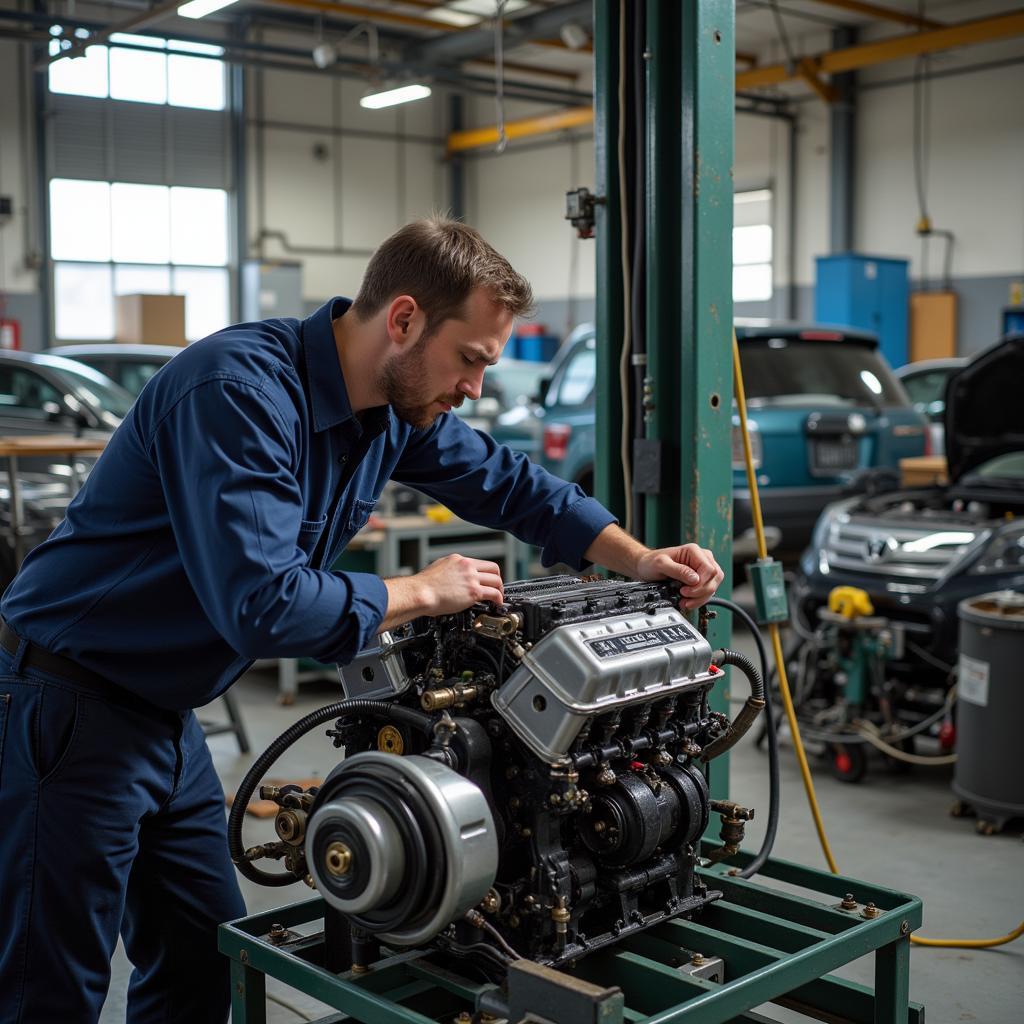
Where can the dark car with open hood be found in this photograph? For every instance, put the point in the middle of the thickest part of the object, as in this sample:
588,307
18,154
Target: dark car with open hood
917,553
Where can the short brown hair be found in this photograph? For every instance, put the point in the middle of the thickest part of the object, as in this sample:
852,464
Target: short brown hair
439,262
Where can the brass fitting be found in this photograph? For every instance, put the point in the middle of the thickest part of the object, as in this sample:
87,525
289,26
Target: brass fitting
290,825
338,859
497,627
448,696
491,903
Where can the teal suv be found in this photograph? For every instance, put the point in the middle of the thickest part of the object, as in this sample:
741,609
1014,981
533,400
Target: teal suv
827,418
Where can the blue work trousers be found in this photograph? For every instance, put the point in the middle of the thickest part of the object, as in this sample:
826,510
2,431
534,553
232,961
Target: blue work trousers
111,820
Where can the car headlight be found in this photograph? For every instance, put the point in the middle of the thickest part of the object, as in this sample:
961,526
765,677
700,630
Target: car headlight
1004,553
756,448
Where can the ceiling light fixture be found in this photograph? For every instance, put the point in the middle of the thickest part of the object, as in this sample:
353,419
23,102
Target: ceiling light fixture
390,96
201,8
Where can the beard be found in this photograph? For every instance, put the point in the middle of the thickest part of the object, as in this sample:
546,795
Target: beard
401,381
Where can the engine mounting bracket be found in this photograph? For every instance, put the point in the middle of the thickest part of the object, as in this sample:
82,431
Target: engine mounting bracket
776,946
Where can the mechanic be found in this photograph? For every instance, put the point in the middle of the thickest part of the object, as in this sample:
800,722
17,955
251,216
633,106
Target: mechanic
203,540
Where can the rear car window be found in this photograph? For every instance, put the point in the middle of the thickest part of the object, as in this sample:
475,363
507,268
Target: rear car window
795,371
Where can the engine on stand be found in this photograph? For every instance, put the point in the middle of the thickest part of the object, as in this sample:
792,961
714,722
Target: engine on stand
522,781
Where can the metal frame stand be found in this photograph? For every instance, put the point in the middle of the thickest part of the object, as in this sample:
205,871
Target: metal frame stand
774,946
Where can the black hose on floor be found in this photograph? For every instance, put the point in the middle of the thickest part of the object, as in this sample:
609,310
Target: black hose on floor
774,785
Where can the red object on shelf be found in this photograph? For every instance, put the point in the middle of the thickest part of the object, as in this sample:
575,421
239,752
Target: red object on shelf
556,441
10,334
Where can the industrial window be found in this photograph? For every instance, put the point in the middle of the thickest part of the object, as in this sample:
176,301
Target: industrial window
752,246
142,70
116,238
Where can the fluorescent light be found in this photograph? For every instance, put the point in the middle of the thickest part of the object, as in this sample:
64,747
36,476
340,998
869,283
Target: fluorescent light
389,97
201,8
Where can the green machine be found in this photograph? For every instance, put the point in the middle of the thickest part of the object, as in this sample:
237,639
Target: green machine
670,930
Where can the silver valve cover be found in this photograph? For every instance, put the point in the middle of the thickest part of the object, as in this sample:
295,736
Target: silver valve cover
579,671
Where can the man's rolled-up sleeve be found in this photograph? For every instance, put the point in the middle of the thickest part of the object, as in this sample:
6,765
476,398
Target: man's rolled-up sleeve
492,485
225,454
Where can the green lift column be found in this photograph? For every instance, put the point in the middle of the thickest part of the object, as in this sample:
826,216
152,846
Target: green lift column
690,110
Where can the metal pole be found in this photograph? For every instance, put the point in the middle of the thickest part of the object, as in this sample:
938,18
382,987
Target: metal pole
690,50
608,485
240,177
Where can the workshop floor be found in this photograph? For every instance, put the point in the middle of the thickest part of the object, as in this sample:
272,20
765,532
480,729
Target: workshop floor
893,829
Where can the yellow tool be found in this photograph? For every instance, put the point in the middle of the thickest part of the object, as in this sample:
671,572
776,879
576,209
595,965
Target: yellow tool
850,602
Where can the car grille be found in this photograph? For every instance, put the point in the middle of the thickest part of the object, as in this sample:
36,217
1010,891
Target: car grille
898,550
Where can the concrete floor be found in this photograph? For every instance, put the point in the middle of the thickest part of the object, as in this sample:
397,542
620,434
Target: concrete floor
893,829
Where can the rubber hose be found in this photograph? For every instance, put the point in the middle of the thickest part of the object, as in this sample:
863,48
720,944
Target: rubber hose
774,782
339,709
748,713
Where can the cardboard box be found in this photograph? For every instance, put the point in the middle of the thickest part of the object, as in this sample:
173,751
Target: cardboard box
924,471
150,319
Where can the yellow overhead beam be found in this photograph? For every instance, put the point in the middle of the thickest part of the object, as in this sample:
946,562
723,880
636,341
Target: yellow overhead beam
851,58
474,138
864,55
382,16
882,13
376,15
806,70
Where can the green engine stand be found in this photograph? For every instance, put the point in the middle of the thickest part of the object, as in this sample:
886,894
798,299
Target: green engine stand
773,946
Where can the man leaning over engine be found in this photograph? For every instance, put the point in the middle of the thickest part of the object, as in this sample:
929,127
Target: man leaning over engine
202,540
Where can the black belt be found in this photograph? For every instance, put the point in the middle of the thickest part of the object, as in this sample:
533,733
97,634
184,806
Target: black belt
43,660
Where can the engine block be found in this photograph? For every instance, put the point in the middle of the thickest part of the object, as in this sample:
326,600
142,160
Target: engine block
518,781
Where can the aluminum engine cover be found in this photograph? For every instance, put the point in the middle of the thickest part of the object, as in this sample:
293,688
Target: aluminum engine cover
586,669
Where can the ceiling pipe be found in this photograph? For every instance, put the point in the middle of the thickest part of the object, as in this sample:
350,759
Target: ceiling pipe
479,42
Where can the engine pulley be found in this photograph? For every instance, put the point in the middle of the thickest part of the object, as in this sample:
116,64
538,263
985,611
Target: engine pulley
400,845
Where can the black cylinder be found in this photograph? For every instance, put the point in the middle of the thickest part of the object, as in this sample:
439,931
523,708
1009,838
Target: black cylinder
990,706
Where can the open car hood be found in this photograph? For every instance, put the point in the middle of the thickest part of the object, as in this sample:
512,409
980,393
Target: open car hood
985,407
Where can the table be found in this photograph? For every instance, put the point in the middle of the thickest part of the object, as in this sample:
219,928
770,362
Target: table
40,445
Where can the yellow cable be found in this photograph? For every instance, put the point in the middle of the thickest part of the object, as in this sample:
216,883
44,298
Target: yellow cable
762,552
787,699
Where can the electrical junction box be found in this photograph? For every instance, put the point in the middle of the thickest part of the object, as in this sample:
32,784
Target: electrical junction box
770,601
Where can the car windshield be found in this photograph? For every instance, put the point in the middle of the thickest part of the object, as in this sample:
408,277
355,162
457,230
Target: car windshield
519,379
793,371
508,383
927,390
1009,467
97,390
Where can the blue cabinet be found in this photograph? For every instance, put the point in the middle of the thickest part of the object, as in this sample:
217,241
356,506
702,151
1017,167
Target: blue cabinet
869,292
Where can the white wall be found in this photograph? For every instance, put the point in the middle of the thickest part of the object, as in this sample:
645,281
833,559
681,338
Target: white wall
975,172
976,178
338,176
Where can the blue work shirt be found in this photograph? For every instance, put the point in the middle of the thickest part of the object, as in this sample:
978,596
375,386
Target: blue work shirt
198,542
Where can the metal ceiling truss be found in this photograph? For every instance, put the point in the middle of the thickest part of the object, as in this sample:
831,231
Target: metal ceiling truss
809,69
254,54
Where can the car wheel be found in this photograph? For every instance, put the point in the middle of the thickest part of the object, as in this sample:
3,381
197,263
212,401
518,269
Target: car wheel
586,481
847,761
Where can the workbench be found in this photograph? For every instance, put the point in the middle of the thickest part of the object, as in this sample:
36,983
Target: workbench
399,546
759,944
40,445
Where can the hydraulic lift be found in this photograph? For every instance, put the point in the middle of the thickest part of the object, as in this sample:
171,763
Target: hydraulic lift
761,942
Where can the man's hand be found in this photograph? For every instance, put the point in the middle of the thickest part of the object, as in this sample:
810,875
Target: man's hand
451,584
695,567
